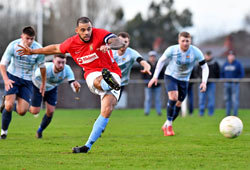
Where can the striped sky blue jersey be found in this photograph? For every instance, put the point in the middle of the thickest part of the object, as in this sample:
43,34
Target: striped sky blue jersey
125,62
52,79
181,63
21,66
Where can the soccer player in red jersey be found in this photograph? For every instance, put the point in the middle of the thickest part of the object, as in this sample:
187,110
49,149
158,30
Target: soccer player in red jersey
91,49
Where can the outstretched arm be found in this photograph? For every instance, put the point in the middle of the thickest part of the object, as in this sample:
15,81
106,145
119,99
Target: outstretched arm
75,85
113,43
154,81
146,67
116,43
205,73
158,69
50,49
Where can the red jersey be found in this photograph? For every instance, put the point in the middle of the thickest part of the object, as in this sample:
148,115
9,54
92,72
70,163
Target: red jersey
86,55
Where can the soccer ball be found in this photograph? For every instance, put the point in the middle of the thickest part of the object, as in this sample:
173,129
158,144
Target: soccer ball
231,127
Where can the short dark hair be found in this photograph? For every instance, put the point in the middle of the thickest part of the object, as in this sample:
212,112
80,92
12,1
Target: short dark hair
124,35
231,52
83,20
208,53
184,34
29,31
60,56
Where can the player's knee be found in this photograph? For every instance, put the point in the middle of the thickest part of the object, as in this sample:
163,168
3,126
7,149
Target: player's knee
174,98
49,114
34,111
97,83
22,113
8,107
107,111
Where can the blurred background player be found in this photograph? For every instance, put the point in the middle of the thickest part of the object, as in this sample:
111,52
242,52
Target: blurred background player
17,71
209,95
232,69
153,93
91,49
183,57
56,72
125,58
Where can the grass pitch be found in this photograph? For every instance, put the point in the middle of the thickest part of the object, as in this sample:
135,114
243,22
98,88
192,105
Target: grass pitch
131,141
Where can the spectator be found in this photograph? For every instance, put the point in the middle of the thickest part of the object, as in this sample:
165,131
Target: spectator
190,95
209,95
155,90
232,69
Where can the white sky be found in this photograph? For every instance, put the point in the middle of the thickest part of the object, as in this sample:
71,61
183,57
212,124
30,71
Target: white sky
210,17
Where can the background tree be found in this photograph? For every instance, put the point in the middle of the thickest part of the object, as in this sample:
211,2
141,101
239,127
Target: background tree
59,19
61,22
161,27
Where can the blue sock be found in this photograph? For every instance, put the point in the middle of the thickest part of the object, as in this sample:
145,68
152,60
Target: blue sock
45,122
100,124
176,112
170,109
104,85
6,119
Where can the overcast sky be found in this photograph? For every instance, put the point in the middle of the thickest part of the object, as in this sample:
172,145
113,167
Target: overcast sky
210,17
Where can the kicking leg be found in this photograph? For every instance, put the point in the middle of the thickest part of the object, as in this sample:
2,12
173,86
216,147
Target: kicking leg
107,105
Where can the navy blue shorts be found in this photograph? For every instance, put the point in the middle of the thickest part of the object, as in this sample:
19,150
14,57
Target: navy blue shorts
172,84
22,88
49,96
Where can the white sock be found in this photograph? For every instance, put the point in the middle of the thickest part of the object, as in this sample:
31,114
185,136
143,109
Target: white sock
4,132
168,123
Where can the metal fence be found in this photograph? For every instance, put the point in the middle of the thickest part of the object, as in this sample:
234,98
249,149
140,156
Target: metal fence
133,96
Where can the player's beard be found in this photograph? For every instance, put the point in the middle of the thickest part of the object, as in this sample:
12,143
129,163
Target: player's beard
123,50
57,70
84,40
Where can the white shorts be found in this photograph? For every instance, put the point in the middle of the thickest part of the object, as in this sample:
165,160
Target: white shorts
90,82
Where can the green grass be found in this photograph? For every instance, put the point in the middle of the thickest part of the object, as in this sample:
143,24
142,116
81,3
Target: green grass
131,141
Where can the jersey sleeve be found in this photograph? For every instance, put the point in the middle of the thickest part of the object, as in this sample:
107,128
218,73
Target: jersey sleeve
136,55
64,46
41,61
107,37
37,74
9,52
161,62
69,73
198,54
103,34
167,53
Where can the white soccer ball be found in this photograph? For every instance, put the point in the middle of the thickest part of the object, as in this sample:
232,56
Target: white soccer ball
231,126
